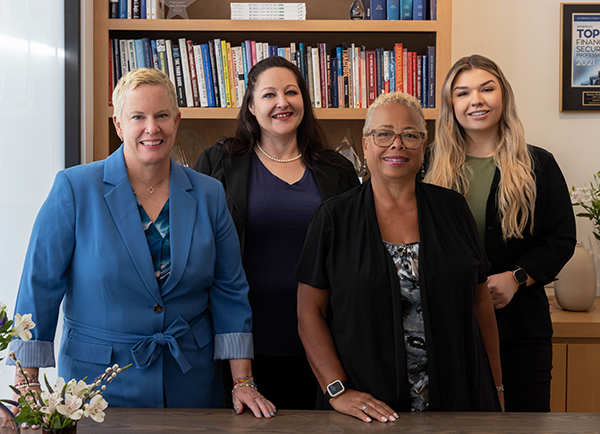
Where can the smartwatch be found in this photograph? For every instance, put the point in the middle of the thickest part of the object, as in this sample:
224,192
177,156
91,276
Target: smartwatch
335,388
520,276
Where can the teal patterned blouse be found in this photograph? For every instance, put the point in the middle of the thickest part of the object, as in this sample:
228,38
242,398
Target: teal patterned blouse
159,241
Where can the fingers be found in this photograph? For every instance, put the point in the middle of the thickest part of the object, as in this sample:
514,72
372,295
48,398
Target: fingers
379,411
363,406
251,398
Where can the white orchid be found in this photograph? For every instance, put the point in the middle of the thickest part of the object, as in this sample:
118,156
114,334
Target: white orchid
80,388
71,408
22,325
95,408
52,400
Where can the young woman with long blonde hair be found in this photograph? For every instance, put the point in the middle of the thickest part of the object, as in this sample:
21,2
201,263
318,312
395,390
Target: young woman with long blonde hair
521,205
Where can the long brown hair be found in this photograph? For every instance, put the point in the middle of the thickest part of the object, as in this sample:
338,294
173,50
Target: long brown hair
517,189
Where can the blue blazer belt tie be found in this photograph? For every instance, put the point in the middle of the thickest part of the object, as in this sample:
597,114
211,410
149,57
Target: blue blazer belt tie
146,349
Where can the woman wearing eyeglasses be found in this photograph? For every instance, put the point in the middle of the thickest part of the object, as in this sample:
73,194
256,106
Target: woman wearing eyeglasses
393,308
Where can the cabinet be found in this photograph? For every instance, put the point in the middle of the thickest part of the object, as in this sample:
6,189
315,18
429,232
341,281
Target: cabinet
326,22
576,356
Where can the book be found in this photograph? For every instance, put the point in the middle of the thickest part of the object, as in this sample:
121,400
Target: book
220,75
161,56
244,63
414,74
433,9
111,75
424,78
124,56
213,73
409,73
154,54
311,78
392,9
340,75
225,66
378,9
371,77
115,60
302,60
199,65
210,95
406,9
367,5
143,14
113,9
404,70
346,76
392,71
185,70
238,65
334,83
316,69
231,73
431,58
380,85
139,54
386,71
123,9
193,76
170,65
419,9
148,63
419,95
253,53
135,12
363,77
323,75
179,86
398,49
131,54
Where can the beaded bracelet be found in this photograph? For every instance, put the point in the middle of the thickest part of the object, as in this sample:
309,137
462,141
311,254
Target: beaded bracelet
244,384
242,381
25,384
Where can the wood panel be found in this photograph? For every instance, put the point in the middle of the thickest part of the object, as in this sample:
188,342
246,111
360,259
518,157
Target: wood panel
558,390
583,373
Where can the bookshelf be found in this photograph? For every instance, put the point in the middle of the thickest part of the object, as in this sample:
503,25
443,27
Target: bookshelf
201,127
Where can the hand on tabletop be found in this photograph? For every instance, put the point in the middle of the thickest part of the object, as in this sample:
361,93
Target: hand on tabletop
251,398
502,288
352,402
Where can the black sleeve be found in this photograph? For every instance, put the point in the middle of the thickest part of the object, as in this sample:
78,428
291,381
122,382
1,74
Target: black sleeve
554,226
204,164
312,266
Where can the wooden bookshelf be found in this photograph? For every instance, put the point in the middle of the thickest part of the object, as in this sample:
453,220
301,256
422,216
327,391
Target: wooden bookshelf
201,127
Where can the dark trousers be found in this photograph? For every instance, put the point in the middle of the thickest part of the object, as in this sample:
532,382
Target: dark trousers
288,382
526,374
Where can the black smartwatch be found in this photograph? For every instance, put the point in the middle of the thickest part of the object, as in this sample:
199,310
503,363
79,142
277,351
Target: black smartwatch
335,388
520,276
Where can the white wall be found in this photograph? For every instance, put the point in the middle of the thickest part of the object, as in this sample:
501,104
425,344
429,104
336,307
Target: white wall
32,125
523,37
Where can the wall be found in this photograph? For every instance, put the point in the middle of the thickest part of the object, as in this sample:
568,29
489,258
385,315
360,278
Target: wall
32,124
523,37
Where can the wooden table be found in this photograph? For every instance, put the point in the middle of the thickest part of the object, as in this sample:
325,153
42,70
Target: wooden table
132,421
576,359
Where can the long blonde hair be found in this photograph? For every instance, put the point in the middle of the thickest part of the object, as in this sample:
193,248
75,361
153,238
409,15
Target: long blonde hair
517,189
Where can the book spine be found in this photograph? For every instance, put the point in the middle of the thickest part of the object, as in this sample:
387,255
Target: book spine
419,9
328,74
179,86
244,62
424,79
253,53
392,71
147,52
363,77
378,9
398,63
199,64
193,76
143,7
231,74
379,54
351,84
160,55
302,56
129,9
154,54
334,86
213,70
113,9
124,57
371,77
367,5
139,54
311,78
116,60
316,76
340,76
406,12
111,67
419,79
392,9
386,72
433,9
323,70
241,75
135,11
123,9
185,69
431,60
132,54
409,71
208,75
220,75
414,74
225,66
404,70
169,56
248,46
346,75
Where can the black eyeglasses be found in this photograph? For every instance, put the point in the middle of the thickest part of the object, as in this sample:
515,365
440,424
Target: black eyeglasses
409,139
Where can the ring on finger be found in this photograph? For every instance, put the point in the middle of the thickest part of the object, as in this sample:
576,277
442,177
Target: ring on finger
364,407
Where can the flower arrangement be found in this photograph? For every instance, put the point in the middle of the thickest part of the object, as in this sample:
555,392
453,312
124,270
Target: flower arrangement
589,199
10,330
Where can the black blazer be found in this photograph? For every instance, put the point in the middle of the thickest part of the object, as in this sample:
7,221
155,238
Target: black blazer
332,179
542,254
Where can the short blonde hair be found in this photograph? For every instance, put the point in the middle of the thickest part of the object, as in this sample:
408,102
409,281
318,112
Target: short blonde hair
397,97
139,76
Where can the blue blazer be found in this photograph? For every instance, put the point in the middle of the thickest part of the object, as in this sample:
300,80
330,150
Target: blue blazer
88,250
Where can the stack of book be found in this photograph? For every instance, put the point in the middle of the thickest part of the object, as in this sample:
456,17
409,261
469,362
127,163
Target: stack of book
137,9
268,11
215,73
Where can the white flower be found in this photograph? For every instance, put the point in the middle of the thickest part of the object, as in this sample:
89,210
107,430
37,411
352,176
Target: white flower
71,408
51,400
80,388
95,407
22,325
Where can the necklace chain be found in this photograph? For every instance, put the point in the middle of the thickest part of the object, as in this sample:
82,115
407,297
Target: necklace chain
151,187
277,160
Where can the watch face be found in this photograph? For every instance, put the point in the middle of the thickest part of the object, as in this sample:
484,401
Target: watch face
335,388
520,275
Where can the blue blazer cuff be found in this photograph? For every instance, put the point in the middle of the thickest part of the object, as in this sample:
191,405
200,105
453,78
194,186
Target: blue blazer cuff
32,354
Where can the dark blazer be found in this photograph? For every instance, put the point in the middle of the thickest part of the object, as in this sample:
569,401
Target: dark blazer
332,179
344,252
542,254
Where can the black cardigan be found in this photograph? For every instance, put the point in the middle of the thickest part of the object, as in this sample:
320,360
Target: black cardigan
344,252
332,179
542,254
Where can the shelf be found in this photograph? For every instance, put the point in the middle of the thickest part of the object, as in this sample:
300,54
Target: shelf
274,26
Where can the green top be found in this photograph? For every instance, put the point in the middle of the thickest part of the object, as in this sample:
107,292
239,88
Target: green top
480,183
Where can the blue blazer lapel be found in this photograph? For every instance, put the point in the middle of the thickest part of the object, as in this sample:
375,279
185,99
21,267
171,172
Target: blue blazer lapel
182,217
126,217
